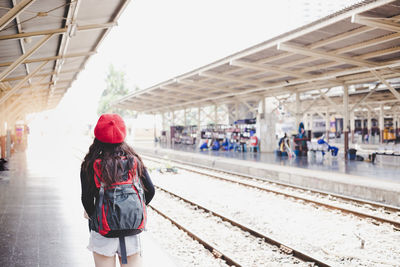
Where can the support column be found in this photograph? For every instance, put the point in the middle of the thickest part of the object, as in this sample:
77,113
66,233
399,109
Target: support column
172,118
298,111
163,121
381,123
266,121
3,131
155,127
216,114
327,125
310,123
306,122
185,119
167,129
8,142
236,111
198,133
346,119
261,127
369,126
172,133
352,126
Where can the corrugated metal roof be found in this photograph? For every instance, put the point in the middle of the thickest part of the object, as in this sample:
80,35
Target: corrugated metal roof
50,40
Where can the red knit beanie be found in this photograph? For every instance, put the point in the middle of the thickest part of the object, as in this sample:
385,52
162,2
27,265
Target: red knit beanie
110,128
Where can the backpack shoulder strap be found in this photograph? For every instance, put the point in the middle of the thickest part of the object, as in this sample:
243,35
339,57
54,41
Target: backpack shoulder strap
97,173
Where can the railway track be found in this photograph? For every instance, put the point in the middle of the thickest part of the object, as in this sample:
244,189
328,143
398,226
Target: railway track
223,255
263,183
217,253
249,181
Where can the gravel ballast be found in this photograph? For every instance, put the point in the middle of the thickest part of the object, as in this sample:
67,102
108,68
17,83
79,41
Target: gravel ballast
183,249
238,244
328,235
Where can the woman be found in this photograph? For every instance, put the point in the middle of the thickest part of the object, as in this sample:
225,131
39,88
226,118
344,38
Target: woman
110,161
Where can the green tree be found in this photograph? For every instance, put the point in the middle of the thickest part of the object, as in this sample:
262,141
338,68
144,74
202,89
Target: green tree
116,88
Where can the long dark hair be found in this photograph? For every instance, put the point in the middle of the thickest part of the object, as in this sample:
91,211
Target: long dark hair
111,160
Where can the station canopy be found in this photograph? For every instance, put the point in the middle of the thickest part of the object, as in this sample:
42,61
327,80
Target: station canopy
357,47
44,44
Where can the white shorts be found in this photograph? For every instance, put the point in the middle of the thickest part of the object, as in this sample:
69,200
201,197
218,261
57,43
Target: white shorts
110,246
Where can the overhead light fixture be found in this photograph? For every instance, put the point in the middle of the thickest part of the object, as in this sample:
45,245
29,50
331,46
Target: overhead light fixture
27,40
72,30
42,14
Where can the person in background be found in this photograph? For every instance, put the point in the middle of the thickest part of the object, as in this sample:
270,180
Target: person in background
204,145
253,141
216,146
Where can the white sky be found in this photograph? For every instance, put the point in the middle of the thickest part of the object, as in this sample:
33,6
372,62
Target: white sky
157,40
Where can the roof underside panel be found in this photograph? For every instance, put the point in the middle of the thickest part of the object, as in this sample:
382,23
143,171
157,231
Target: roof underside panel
51,41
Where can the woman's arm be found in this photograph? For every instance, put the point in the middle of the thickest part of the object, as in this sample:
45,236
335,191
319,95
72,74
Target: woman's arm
88,193
149,187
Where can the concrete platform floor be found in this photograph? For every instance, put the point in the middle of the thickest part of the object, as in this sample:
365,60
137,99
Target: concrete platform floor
333,165
41,216
356,179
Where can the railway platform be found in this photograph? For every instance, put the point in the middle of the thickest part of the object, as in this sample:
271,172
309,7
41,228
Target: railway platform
363,180
41,215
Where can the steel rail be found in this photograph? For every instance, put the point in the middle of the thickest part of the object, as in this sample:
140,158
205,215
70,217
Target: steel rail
284,248
297,187
216,252
344,210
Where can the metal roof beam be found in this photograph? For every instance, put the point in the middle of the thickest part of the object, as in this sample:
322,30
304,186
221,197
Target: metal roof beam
344,50
57,31
231,79
205,85
280,85
365,44
364,98
330,40
330,64
160,99
326,55
21,83
21,42
323,42
180,90
264,67
22,58
328,99
17,100
32,98
84,54
390,87
17,78
13,12
47,83
376,22
70,22
278,70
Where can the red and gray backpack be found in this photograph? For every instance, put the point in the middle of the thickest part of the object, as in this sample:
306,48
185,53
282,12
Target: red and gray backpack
121,207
